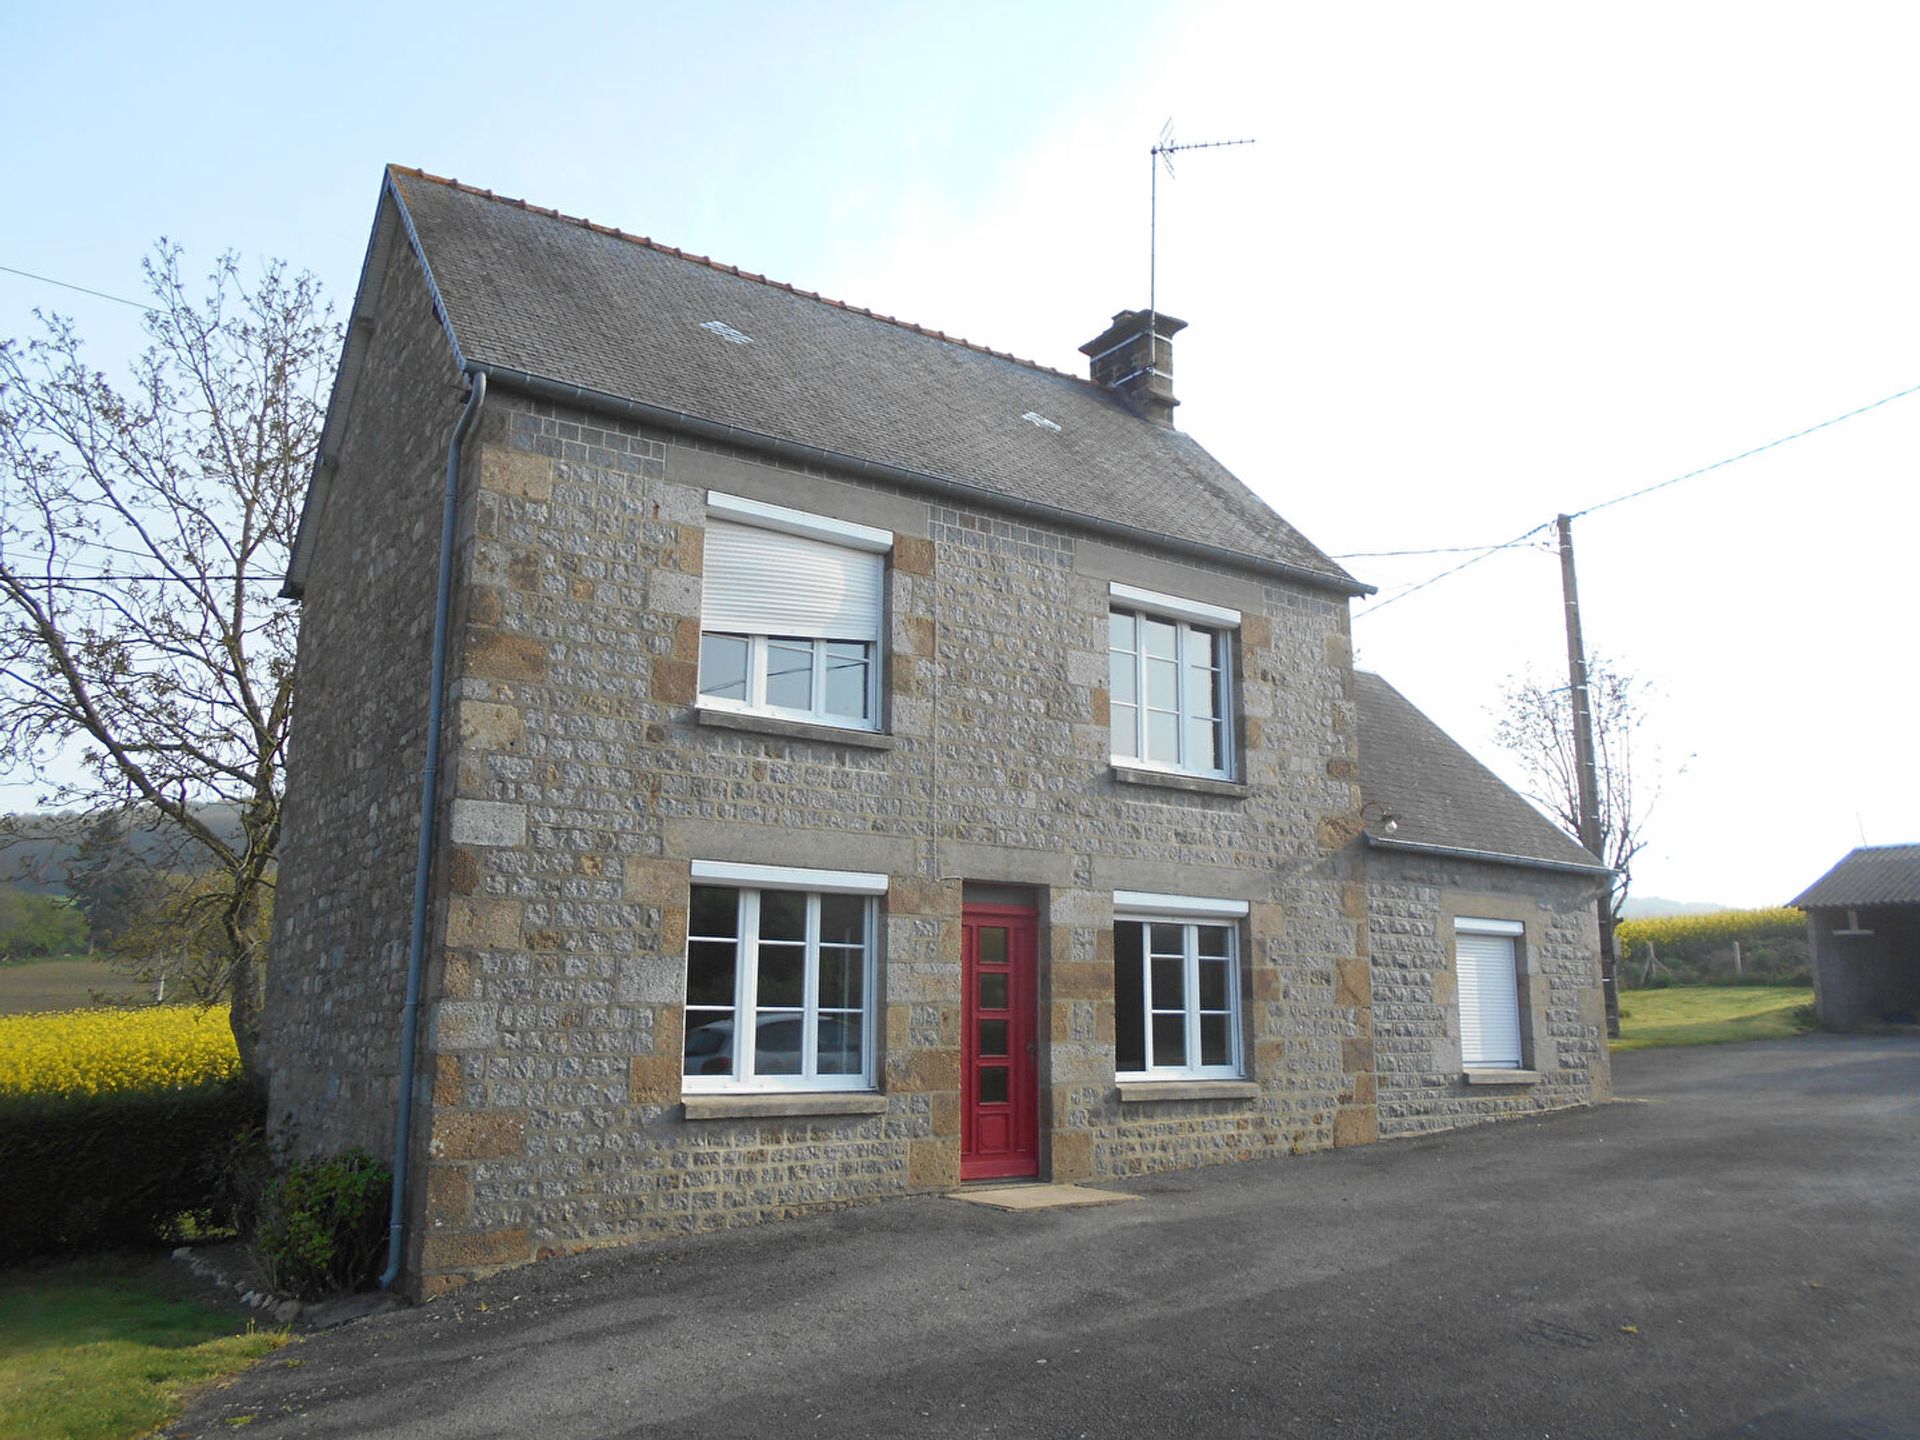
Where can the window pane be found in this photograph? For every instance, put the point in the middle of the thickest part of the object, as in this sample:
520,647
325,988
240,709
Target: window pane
710,972
993,1037
1216,1048
723,666
783,974
1169,1040
1120,632
715,912
709,1048
783,915
1163,738
1123,678
1126,743
1169,984
993,992
790,674
1129,1000
842,977
1166,940
840,1045
843,919
1163,685
846,684
1202,690
993,945
1211,940
1158,636
1213,985
993,1085
1206,749
776,1046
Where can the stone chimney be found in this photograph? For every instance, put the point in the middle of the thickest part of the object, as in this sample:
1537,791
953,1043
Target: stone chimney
1137,365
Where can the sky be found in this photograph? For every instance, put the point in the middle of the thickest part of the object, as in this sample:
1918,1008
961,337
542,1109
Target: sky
1484,263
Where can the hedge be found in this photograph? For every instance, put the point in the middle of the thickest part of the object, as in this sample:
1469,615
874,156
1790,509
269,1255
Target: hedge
85,1172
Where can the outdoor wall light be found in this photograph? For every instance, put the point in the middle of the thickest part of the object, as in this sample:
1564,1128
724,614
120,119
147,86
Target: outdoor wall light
1389,821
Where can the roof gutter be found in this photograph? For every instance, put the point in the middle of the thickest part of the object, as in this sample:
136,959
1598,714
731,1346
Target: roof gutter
922,480
423,856
1492,857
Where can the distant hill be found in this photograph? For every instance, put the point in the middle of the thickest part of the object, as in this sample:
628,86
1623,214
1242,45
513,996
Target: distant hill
1651,907
36,848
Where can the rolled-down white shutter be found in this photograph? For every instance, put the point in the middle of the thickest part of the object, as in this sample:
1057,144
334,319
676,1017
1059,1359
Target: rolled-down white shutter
763,582
1489,1001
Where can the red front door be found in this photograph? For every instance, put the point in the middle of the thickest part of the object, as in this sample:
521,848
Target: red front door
999,1098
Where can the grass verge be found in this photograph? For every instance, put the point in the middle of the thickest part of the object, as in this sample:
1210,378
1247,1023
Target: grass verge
1712,1015
103,1349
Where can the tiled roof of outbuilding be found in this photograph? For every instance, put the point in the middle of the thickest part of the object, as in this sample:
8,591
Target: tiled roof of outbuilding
1870,875
569,301
1439,795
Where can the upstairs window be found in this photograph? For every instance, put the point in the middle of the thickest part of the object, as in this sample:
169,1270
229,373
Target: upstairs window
1171,683
791,614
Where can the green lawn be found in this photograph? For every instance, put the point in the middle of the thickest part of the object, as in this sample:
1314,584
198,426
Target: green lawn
1712,1015
104,1350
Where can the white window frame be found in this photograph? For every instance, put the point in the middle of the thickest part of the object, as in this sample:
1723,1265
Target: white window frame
1189,913
1514,932
756,701
1194,621
750,882
759,514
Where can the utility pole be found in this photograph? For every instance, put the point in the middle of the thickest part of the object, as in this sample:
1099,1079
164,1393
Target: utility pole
1588,775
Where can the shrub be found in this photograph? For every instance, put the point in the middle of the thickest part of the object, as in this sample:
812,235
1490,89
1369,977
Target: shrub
322,1225
97,1052
83,1171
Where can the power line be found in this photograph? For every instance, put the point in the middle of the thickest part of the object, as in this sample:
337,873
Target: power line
1482,553
1517,540
84,290
1748,454
1389,554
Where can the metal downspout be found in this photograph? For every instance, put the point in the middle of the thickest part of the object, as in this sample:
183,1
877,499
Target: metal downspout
423,860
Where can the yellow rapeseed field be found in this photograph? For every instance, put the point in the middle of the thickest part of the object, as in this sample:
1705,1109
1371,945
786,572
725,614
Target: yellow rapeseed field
1715,927
94,1052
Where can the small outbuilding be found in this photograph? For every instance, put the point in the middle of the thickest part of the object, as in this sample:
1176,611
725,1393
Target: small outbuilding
1863,930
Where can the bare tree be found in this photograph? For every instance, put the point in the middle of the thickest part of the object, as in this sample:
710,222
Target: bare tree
1536,727
145,659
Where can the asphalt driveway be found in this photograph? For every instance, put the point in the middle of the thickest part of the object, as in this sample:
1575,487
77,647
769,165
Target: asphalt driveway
1736,1251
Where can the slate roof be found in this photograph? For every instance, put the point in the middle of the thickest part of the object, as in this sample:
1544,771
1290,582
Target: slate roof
1439,794
565,300
1870,875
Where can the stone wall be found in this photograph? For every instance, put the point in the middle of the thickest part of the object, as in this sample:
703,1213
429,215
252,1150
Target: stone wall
1412,902
336,982
587,778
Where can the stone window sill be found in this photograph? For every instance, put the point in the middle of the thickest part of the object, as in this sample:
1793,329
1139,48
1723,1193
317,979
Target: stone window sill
790,729
1501,1077
756,1107
1173,780
1146,1092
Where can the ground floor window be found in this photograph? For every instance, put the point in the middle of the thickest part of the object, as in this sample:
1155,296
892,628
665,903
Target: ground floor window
1487,975
780,979
1176,987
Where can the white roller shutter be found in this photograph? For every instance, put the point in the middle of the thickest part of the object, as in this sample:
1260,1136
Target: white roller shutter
763,582
1489,1001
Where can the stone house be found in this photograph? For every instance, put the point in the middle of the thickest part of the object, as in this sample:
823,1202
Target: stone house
1863,936
856,762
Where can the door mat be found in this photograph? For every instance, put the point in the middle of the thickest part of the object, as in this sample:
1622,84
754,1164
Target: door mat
1038,1197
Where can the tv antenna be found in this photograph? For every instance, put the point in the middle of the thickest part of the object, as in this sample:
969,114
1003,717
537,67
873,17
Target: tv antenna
1162,153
